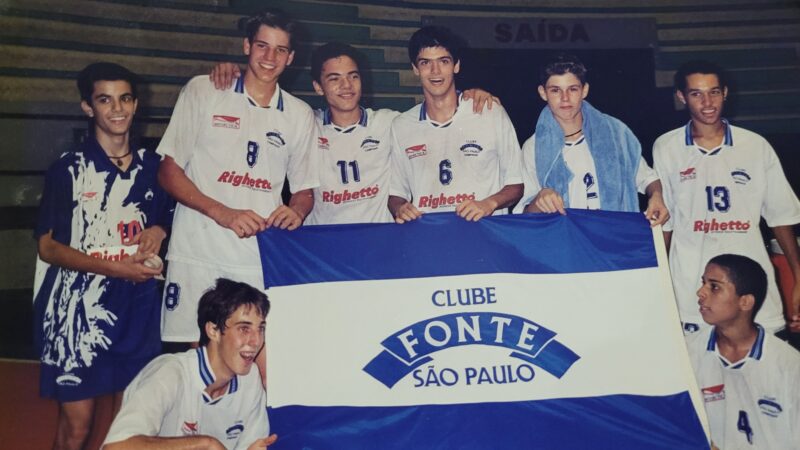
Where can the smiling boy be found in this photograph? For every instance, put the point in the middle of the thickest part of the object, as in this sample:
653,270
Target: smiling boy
719,181
227,154
445,156
748,377
96,302
581,158
209,397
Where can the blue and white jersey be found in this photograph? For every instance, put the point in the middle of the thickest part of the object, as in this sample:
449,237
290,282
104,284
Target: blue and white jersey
168,399
239,154
753,403
97,332
716,198
436,166
354,170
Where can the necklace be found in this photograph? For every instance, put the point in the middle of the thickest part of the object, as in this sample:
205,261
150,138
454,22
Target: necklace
118,159
573,134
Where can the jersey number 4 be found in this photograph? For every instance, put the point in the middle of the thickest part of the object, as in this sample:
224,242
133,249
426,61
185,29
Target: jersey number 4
718,198
353,165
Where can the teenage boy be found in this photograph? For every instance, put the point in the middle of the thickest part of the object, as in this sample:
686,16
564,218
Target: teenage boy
226,156
354,141
446,157
208,397
719,180
748,377
581,158
97,305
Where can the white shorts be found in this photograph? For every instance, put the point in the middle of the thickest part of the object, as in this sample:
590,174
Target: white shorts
184,286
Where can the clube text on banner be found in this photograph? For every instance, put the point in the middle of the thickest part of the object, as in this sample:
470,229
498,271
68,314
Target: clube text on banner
514,332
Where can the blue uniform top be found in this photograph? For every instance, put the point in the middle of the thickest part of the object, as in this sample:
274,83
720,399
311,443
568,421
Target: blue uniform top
96,332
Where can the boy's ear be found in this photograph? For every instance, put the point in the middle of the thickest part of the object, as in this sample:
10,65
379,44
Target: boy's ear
87,109
212,332
747,302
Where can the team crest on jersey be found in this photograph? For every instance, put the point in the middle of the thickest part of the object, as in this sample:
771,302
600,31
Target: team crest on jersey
770,407
190,428
234,431
369,144
416,150
252,153
323,143
219,121
688,174
149,194
714,393
740,176
275,138
471,148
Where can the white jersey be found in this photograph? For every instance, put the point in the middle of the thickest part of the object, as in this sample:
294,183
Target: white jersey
239,154
584,191
354,170
168,399
753,403
470,157
716,199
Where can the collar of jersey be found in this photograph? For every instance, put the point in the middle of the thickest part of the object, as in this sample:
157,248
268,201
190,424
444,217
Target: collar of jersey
95,152
755,352
573,144
207,376
275,102
689,141
327,119
423,115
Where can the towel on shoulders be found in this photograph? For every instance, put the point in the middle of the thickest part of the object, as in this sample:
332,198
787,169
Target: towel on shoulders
614,148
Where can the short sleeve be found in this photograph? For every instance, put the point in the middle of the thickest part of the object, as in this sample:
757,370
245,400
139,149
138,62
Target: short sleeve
780,206
644,176
529,178
147,400
510,158
56,206
662,171
303,168
400,184
178,141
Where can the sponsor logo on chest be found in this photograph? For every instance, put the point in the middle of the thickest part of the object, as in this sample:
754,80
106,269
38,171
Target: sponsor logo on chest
347,196
714,393
688,174
220,121
190,428
245,181
416,151
323,143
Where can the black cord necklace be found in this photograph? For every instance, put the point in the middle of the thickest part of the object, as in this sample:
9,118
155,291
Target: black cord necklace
118,159
573,134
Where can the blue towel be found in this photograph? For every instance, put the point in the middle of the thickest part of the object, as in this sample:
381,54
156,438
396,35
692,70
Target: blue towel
614,148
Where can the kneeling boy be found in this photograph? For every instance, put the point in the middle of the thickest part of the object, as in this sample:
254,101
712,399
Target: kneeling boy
748,377
207,397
